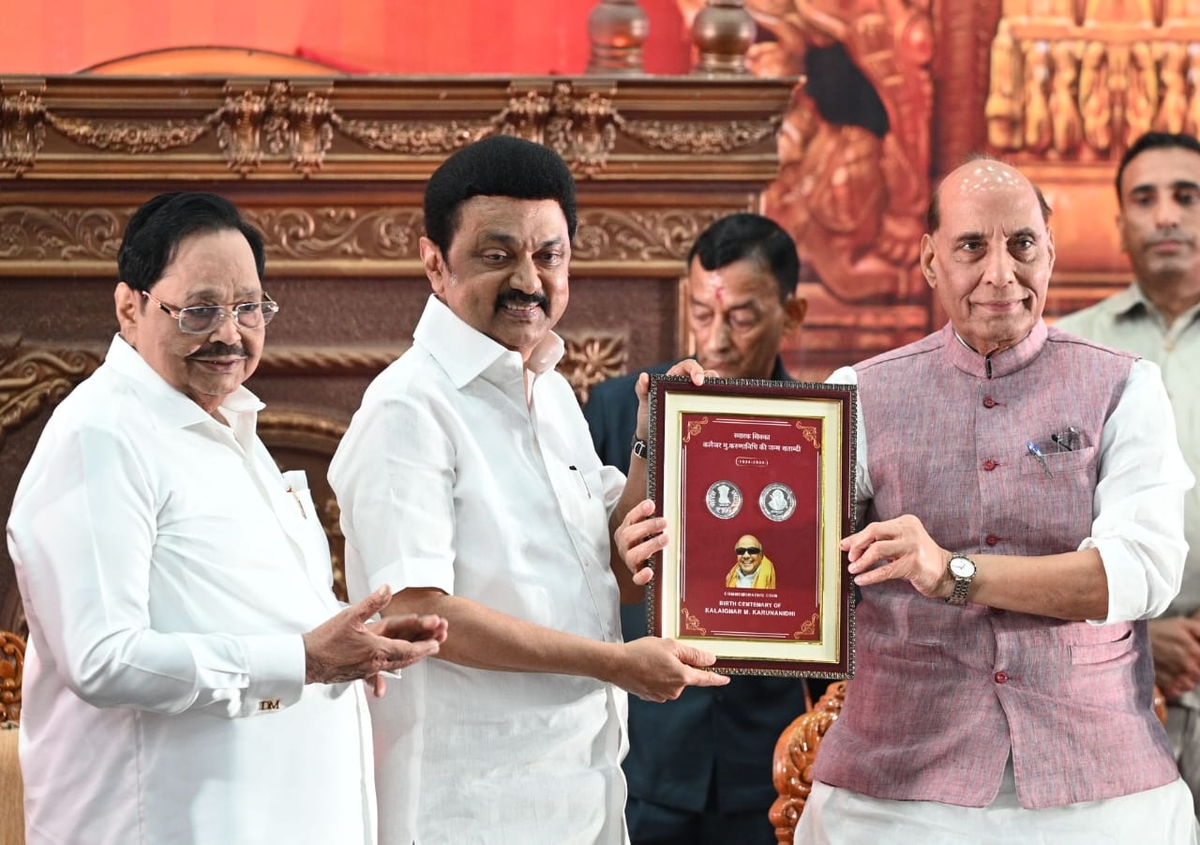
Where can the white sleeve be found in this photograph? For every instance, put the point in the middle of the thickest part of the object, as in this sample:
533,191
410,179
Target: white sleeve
863,489
81,535
1138,504
393,476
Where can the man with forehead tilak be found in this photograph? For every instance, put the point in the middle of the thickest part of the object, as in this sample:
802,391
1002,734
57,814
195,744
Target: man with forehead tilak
699,767
1021,495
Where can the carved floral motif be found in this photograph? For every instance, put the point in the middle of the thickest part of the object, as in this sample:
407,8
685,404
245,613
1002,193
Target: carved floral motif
22,132
579,121
29,233
32,378
239,135
640,235
696,138
339,232
34,233
278,122
581,129
413,137
590,359
794,757
12,671
129,136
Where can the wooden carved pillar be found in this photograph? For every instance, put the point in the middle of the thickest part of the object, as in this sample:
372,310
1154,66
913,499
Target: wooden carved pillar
617,30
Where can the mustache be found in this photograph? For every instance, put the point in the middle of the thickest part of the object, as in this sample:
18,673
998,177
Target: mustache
516,297
1172,235
220,350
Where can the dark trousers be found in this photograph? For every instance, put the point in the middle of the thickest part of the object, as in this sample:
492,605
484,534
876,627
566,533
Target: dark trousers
653,824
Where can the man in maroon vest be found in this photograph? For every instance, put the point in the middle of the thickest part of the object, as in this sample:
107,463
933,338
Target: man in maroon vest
1021,494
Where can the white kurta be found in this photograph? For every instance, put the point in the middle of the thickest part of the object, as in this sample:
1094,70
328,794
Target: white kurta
449,477
168,570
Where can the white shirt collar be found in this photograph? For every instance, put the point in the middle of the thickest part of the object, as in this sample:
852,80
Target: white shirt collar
170,404
466,353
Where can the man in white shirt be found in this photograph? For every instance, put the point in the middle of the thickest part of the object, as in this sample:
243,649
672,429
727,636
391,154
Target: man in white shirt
468,480
1158,317
190,676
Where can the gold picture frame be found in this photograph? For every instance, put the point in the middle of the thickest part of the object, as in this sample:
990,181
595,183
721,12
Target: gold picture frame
756,482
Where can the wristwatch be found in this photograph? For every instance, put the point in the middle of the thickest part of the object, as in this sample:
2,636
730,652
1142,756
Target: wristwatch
962,569
639,447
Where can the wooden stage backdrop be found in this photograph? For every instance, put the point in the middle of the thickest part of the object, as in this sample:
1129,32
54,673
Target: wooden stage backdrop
331,168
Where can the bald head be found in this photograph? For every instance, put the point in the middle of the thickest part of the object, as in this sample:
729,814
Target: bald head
989,253
988,171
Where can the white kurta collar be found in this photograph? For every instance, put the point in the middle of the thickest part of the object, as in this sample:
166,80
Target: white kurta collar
174,406
466,353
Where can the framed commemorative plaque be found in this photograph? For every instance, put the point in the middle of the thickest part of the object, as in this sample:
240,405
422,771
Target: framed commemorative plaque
756,482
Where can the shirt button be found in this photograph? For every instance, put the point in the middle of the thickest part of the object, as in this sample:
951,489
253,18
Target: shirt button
991,539
989,465
1001,677
989,402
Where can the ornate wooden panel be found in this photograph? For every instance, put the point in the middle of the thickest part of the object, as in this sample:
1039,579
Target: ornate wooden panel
332,171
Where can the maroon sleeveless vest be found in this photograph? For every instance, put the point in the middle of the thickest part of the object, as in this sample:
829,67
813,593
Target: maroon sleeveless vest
943,694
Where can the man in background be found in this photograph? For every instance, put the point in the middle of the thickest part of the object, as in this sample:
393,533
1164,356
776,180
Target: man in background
1158,317
699,767
190,678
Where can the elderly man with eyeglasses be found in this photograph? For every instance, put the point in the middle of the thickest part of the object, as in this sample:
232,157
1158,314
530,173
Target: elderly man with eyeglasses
190,676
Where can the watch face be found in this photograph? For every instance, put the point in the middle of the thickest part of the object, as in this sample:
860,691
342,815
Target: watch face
962,567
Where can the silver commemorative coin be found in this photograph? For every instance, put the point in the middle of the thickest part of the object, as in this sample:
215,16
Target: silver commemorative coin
777,502
724,499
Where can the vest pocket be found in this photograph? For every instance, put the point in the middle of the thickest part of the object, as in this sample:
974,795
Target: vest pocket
1059,463
1102,652
894,648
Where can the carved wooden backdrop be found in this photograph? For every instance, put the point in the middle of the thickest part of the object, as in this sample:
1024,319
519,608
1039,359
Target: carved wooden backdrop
332,172
331,169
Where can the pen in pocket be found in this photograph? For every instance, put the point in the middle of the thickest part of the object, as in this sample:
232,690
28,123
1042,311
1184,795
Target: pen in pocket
1034,450
582,480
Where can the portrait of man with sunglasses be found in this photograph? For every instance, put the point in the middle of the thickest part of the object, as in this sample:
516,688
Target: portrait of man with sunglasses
178,586
753,570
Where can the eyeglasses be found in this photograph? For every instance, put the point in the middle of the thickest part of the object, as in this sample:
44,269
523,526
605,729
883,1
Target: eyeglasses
204,319
748,550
